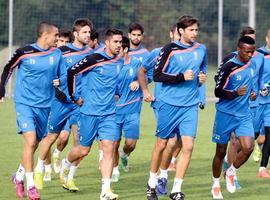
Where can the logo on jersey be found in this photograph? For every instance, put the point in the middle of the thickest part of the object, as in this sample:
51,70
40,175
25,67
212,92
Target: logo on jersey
32,61
252,72
69,60
238,77
131,72
51,61
118,69
24,125
195,55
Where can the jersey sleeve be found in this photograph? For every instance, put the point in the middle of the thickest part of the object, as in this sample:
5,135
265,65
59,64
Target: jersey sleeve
160,74
222,80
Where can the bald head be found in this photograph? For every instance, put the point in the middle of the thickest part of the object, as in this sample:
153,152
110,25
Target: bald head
45,27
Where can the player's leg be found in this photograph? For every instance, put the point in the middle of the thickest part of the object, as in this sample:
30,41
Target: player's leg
116,172
48,167
174,157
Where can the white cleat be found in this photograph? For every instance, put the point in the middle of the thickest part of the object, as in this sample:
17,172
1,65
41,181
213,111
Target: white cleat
216,193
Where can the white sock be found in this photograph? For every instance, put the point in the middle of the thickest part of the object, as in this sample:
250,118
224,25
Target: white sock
152,181
106,185
65,165
29,179
226,158
100,152
48,168
72,172
262,168
231,170
216,182
173,160
177,185
122,153
56,152
163,173
116,170
40,166
20,173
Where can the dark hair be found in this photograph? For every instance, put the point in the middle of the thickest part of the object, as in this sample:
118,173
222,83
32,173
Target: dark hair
66,34
45,27
247,30
94,35
174,26
186,21
125,43
111,32
135,26
81,22
245,40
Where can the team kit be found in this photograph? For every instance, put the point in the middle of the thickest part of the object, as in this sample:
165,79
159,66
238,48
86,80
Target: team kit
68,83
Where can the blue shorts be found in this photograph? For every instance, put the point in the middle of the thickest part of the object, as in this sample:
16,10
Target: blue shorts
225,124
32,119
72,120
154,105
130,124
256,113
176,120
62,114
102,127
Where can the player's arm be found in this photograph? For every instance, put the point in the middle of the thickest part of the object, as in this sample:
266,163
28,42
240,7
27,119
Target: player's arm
203,70
221,83
160,74
8,69
142,78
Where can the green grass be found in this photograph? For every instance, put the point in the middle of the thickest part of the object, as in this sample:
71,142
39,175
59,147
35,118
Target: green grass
132,185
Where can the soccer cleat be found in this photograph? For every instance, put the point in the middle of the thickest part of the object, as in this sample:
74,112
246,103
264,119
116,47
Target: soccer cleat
109,195
124,164
38,179
257,153
33,194
237,184
177,196
70,185
56,163
115,177
151,193
171,167
229,177
263,174
162,186
47,176
19,187
216,193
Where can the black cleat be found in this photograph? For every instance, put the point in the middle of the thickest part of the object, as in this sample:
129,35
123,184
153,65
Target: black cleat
151,193
177,196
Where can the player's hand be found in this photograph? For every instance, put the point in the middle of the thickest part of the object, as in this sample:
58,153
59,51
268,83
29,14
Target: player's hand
134,86
253,96
2,100
242,91
202,77
147,96
189,75
56,82
264,92
2,94
79,102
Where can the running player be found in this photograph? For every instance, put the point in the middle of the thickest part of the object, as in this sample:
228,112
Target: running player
64,113
99,79
181,68
38,65
233,86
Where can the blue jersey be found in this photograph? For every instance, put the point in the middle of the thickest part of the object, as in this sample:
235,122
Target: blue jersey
99,79
174,60
266,73
37,68
233,75
129,101
258,62
140,53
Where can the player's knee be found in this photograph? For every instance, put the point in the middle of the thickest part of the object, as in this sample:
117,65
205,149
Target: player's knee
161,144
131,145
248,148
84,152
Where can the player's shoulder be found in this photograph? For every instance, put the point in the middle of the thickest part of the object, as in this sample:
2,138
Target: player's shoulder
66,49
200,46
27,49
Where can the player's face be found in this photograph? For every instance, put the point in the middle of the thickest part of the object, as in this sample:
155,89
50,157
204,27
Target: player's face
189,34
245,52
92,43
135,37
83,35
51,37
114,44
62,41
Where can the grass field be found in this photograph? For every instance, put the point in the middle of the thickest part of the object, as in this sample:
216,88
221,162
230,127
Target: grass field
132,185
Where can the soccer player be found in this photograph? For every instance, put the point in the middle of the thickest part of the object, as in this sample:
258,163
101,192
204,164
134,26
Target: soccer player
64,38
97,114
264,106
64,113
181,68
128,109
135,34
38,65
94,42
233,88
